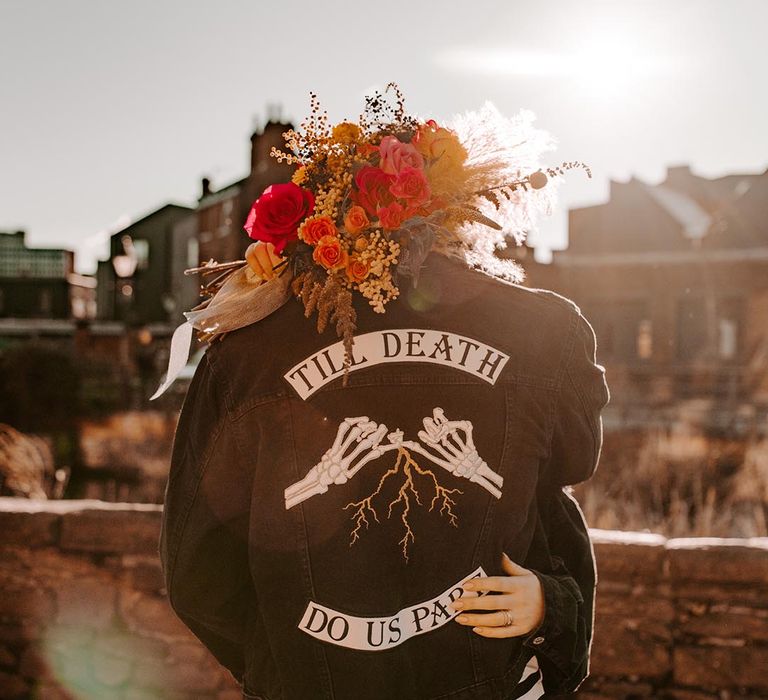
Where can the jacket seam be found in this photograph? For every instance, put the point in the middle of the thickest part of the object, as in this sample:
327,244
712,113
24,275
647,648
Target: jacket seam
503,678
592,424
228,403
485,529
543,383
565,358
306,559
173,549
256,601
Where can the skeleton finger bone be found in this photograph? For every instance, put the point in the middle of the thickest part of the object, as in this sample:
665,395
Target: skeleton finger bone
424,437
344,426
372,444
486,484
334,466
353,435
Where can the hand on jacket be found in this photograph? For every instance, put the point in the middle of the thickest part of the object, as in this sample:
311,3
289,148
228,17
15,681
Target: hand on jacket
262,259
520,593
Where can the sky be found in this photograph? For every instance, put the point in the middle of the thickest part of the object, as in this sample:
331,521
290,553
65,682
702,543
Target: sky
109,109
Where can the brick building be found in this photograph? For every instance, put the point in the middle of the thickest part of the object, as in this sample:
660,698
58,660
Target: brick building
142,281
674,278
221,214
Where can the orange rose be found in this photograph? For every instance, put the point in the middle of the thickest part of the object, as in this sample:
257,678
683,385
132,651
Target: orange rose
357,269
356,220
330,254
315,228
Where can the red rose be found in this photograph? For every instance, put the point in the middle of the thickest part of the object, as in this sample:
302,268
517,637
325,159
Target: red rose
392,216
412,187
276,215
373,189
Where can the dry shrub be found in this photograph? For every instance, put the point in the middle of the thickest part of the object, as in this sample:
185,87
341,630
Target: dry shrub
680,484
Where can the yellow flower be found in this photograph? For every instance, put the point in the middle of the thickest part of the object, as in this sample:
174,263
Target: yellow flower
446,176
336,161
300,176
346,132
445,157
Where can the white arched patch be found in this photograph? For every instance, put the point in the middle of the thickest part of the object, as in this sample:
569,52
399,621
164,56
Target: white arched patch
398,345
386,631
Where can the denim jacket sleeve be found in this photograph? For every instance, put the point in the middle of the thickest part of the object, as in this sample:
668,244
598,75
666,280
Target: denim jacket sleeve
563,641
204,531
577,435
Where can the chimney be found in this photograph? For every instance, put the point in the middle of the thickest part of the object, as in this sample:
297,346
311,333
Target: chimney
678,174
255,138
263,141
205,187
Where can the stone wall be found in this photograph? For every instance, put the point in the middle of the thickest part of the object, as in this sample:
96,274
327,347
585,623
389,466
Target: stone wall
82,609
83,613
684,619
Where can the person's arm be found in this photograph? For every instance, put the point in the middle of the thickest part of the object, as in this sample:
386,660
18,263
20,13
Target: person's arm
203,543
562,642
577,435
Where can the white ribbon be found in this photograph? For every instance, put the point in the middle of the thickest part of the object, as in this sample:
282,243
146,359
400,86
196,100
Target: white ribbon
180,342
242,300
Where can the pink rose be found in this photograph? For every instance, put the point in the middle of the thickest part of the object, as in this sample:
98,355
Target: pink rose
411,186
396,155
391,216
276,215
372,189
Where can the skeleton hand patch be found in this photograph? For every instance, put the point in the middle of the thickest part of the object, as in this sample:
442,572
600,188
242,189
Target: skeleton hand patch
359,441
449,445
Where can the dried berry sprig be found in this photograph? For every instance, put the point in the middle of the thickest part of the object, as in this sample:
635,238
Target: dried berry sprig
534,181
381,116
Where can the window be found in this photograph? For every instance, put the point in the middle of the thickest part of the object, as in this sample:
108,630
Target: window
623,329
193,253
691,328
45,302
709,328
729,323
644,339
727,343
141,251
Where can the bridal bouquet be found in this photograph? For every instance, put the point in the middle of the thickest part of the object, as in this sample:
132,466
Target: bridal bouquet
369,200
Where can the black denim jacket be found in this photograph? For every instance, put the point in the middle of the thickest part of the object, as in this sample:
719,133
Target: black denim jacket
313,534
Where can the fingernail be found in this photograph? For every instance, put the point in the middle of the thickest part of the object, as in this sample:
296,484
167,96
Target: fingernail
469,586
476,629
457,604
462,618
